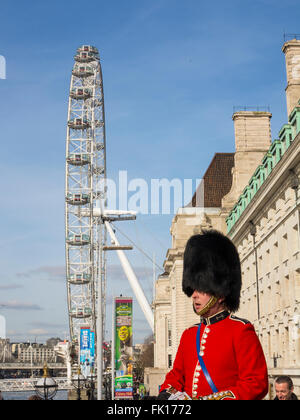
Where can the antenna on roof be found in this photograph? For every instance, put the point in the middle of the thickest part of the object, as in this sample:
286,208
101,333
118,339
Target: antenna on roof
288,37
256,108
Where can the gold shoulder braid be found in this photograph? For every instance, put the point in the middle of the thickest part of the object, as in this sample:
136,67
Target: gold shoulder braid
218,396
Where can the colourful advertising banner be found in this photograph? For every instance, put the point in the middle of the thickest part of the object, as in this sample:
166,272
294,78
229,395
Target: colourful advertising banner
123,348
85,351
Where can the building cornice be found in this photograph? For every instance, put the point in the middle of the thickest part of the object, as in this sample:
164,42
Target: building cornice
172,256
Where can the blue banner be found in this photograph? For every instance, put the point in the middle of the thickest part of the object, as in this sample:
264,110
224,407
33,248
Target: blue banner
92,351
85,352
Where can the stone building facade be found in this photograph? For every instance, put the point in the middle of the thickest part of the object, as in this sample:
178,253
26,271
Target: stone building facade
36,353
252,196
267,237
264,225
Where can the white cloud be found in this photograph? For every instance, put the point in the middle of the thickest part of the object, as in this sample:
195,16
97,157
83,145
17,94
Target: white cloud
20,306
52,272
11,286
38,332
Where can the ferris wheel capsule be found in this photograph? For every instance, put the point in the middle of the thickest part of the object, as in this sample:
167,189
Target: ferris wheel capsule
78,159
79,123
83,70
78,199
79,278
81,312
85,56
88,48
80,239
81,93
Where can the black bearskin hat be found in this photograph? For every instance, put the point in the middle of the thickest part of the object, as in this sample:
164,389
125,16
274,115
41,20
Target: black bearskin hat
212,265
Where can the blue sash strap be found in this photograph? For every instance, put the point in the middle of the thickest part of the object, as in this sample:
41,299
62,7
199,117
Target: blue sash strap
202,364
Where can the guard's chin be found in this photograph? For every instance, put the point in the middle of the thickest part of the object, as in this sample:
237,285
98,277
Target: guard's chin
197,313
206,308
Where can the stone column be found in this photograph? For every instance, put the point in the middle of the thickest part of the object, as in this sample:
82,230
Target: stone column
252,141
291,49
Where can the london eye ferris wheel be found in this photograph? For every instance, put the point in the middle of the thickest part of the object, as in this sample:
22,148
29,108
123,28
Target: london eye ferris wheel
87,219
85,190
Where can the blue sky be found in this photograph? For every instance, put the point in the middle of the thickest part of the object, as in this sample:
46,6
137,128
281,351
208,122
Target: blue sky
172,73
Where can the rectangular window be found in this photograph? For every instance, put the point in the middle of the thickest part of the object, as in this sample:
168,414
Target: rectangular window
169,334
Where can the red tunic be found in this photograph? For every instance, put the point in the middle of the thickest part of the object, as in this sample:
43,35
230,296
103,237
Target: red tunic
233,357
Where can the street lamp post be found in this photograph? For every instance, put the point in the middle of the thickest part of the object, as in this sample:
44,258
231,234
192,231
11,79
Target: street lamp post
46,387
90,385
78,381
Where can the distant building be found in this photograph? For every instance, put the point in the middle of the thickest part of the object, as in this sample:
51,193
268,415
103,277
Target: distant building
36,353
5,351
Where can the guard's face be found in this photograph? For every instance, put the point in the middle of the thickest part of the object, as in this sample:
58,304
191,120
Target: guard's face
200,300
283,392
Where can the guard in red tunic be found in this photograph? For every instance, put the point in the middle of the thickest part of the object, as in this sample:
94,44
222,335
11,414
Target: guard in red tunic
221,358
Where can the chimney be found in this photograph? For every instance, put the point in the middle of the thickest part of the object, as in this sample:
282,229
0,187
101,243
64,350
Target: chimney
291,49
252,141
